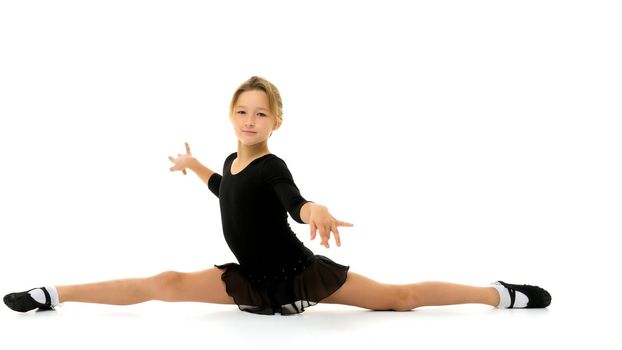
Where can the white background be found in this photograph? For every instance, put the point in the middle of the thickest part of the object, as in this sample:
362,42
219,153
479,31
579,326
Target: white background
468,141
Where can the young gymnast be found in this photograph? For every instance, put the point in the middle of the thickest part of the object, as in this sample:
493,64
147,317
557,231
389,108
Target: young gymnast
275,271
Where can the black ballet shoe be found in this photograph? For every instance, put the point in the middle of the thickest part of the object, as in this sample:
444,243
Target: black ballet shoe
538,297
24,302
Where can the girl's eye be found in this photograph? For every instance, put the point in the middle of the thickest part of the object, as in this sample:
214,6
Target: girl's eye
262,114
241,112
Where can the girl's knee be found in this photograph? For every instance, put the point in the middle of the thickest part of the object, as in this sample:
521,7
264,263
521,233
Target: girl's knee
406,298
165,284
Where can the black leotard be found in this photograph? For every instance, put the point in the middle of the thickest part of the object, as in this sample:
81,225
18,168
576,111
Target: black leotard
253,207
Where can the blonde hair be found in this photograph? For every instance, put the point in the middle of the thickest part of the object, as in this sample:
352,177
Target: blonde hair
258,83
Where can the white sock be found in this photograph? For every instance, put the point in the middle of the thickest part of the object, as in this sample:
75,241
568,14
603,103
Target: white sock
39,296
520,299
53,295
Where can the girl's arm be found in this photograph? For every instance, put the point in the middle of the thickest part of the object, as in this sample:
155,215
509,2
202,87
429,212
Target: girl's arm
304,211
203,172
276,174
319,219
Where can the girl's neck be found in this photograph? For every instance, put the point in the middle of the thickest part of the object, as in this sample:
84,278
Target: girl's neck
248,153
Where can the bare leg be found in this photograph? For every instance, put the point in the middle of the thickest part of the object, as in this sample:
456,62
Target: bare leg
443,293
200,286
117,292
364,292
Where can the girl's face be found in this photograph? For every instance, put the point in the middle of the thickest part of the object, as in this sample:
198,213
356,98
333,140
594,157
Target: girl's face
252,121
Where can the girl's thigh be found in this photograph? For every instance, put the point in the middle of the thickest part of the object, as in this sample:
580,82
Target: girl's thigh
200,286
361,291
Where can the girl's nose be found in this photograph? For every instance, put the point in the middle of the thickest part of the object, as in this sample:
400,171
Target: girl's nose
250,121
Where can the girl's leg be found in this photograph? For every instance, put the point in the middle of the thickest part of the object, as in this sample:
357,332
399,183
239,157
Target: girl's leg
201,286
363,292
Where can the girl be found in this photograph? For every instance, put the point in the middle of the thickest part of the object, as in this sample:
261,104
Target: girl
276,272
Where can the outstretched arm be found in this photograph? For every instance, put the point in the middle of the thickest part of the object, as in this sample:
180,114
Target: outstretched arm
319,219
203,172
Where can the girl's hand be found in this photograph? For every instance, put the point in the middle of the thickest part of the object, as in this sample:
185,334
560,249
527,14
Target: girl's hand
182,161
320,219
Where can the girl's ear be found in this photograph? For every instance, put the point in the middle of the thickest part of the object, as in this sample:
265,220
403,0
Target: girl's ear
277,125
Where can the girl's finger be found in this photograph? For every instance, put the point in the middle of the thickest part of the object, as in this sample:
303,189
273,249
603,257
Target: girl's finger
323,238
187,148
343,223
325,242
337,237
313,231
183,171
325,234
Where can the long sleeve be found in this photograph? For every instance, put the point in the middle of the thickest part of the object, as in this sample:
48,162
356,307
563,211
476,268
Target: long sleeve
278,176
214,183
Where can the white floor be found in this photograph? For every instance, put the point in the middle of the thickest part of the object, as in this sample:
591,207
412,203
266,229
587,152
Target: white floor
497,123
194,325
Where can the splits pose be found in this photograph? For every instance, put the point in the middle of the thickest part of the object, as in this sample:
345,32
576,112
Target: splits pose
275,272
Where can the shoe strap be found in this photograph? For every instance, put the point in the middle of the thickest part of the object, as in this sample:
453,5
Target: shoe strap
48,299
512,297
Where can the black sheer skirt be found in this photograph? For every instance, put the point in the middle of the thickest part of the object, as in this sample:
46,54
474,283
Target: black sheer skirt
288,290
